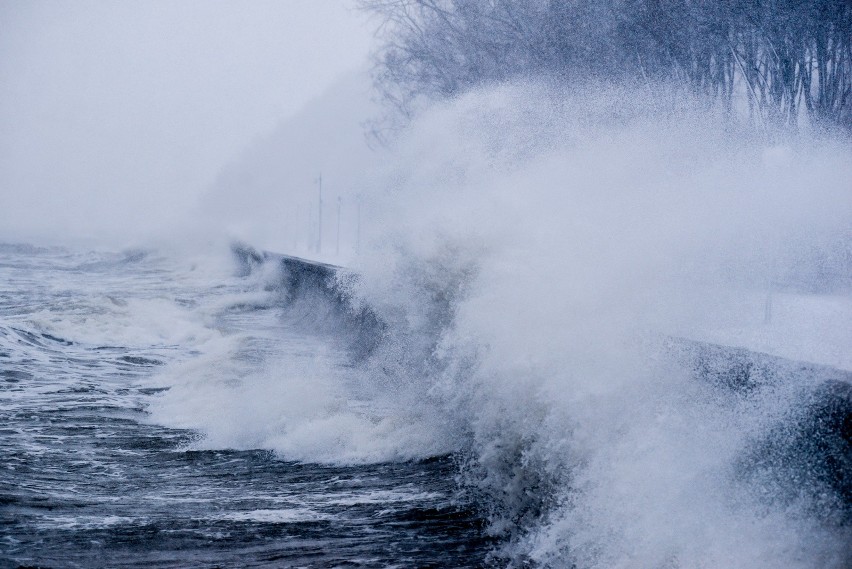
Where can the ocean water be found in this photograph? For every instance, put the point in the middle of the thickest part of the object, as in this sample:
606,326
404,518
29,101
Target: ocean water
592,330
166,411
90,480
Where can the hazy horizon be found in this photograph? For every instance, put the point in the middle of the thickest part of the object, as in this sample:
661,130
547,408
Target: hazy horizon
115,117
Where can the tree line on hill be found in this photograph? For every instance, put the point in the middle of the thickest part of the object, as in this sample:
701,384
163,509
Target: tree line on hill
786,58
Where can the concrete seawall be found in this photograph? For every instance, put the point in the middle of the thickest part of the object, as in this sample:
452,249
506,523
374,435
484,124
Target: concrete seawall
809,450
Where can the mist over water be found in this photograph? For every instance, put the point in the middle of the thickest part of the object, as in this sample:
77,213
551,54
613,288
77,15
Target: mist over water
565,233
566,323
530,254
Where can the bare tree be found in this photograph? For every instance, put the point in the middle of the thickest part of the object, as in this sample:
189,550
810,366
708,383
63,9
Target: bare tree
786,56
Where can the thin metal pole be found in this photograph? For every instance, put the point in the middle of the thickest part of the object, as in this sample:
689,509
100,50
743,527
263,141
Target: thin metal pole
358,233
337,247
319,225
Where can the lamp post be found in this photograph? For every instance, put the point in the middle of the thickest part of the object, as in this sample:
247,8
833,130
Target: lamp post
319,221
337,245
358,230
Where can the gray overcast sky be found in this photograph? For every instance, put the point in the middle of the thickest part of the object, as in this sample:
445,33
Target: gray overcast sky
117,114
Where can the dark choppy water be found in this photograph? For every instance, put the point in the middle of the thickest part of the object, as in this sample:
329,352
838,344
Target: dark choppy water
162,411
89,480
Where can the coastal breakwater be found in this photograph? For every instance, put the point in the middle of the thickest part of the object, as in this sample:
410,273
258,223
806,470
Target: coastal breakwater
804,450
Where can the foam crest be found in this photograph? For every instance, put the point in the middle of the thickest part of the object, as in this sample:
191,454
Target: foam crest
529,256
303,404
528,250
